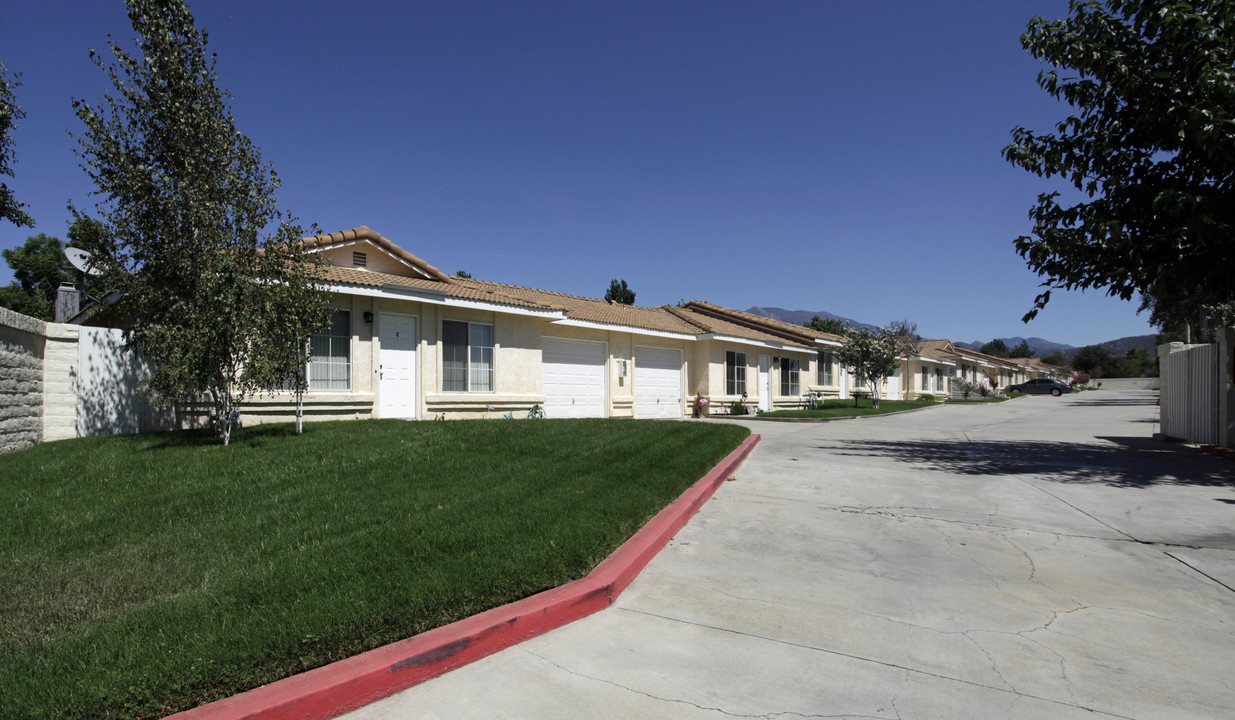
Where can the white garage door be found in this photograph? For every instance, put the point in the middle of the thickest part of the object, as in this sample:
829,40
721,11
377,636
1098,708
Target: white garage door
894,386
658,383
574,378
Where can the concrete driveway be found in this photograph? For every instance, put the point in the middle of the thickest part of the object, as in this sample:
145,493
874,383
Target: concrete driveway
1040,558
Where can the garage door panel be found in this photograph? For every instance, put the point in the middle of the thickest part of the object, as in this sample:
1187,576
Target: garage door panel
658,383
574,378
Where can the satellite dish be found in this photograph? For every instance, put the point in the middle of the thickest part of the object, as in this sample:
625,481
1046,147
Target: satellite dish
82,260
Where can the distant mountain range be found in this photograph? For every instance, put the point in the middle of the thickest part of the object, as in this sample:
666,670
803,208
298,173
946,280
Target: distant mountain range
1041,347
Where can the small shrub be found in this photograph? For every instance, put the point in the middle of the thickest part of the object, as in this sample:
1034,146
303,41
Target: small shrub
737,408
984,391
927,398
964,387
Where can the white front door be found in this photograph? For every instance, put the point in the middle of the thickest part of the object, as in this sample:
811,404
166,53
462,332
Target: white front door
658,383
765,382
396,370
573,375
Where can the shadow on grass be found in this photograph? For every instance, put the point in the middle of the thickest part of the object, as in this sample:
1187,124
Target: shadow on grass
1129,462
255,436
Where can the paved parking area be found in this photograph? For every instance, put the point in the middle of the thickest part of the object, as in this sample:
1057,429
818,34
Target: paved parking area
1040,558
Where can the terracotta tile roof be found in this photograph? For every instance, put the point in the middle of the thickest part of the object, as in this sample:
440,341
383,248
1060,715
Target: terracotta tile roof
368,278
713,324
939,350
590,309
778,328
363,233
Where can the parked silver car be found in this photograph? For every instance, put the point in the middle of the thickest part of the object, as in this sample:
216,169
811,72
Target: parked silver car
1041,386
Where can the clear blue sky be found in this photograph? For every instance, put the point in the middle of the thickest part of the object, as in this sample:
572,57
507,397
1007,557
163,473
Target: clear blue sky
815,155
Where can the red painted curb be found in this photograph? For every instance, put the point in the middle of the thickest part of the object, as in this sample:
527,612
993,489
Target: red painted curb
341,687
1220,451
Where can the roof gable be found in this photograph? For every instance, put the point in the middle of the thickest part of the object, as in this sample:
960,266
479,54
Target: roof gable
339,248
778,328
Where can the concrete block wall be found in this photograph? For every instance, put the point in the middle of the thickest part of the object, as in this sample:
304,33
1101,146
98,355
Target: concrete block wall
60,376
21,380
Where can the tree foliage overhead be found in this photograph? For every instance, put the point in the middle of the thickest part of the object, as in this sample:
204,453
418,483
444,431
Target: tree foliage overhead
870,357
619,293
830,325
187,204
10,112
1151,146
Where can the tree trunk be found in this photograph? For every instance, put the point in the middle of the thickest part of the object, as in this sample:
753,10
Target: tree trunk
875,393
301,386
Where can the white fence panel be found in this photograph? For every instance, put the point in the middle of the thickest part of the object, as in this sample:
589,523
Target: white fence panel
109,395
1190,397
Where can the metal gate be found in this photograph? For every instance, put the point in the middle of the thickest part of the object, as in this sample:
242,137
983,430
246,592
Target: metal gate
1190,394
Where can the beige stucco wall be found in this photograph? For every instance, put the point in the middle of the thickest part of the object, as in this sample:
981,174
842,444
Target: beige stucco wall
708,373
357,403
377,260
516,365
913,387
832,389
621,389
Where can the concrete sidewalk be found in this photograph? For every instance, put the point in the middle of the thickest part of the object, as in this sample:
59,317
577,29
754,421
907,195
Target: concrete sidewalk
1040,558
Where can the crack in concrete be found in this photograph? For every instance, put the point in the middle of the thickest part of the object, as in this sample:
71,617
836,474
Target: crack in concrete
706,708
991,660
1197,570
890,511
909,670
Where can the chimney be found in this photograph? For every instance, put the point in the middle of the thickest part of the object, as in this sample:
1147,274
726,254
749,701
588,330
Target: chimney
66,302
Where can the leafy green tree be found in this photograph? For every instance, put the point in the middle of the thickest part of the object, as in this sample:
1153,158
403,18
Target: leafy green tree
187,202
39,267
996,348
10,113
1057,358
1135,363
464,274
1150,148
1193,320
831,325
869,357
619,293
904,328
1095,360
1021,351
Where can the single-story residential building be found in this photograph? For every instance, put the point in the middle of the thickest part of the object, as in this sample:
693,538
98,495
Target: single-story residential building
406,340
409,341
929,366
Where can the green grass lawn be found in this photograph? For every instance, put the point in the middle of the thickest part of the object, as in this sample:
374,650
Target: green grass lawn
979,399
146,574
847,408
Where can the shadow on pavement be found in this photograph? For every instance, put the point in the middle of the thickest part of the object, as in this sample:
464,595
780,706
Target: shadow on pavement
1131,462
1122,401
